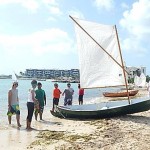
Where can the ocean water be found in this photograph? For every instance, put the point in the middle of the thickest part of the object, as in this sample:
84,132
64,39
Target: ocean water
24,85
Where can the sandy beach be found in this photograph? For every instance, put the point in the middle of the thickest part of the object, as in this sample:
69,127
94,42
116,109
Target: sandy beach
120,133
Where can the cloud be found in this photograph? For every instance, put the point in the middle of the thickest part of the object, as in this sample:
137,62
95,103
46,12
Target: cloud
55,10
76,14
51,2
2,2
132,45
39,43
124,5
104,4
34,5
31,5
137,22
51,18
53,7
47,48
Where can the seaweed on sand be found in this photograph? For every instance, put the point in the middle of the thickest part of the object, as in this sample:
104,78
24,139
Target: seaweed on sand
50,137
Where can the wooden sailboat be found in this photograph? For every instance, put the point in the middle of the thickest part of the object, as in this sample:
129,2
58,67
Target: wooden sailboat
101,65
121,94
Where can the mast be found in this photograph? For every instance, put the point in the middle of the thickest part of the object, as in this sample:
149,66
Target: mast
96,42
122,64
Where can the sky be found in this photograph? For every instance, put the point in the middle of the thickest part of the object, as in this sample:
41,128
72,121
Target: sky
39,34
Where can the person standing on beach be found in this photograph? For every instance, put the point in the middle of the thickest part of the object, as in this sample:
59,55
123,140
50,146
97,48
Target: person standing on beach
148,88
68,95
30,103
13,103
56,96
81,93
41,97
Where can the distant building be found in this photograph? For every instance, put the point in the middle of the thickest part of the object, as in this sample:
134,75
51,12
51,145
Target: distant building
73,73
5,76
133,71
51,73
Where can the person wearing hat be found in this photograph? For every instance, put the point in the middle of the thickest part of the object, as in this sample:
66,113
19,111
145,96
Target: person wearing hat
68,95
56,96
13,103
41,97
30,103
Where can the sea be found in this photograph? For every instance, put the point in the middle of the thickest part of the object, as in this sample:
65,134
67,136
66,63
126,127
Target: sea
90,96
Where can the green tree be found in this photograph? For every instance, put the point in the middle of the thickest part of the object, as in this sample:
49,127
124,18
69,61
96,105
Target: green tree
131,80
147,78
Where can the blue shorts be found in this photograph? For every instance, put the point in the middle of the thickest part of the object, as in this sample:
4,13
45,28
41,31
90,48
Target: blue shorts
67,102
14,109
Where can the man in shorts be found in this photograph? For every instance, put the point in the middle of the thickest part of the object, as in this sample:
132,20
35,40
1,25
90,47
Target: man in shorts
68,95
13,103
41,97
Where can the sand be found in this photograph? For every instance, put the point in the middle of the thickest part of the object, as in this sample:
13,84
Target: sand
130,132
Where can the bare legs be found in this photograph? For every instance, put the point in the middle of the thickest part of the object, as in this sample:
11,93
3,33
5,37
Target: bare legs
30,107
17,118
28,125
9,119
36,114
40,114
81,102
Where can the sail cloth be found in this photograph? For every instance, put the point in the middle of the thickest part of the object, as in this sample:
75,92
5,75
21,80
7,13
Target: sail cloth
14,77
97,68
136,80
140,81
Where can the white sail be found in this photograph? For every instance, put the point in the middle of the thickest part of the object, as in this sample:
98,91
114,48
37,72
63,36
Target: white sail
140,81
136,80
14,77
97,68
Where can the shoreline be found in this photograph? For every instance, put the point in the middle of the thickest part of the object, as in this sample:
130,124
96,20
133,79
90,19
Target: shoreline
119,133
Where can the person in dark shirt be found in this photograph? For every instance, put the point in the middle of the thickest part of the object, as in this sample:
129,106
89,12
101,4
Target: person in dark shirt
41,97
68,95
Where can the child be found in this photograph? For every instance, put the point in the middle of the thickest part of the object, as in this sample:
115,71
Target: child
81,93
56,96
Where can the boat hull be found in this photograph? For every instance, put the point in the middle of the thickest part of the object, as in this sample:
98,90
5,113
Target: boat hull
63,112
120,94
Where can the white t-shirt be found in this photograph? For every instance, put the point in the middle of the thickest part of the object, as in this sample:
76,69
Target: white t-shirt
30,96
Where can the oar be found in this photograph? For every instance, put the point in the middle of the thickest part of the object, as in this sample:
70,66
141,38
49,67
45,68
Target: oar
59,112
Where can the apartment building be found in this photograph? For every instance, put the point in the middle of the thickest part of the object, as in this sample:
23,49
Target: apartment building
51,73
133,71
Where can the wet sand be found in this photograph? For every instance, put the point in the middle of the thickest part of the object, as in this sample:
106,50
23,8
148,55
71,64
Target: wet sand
120,133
